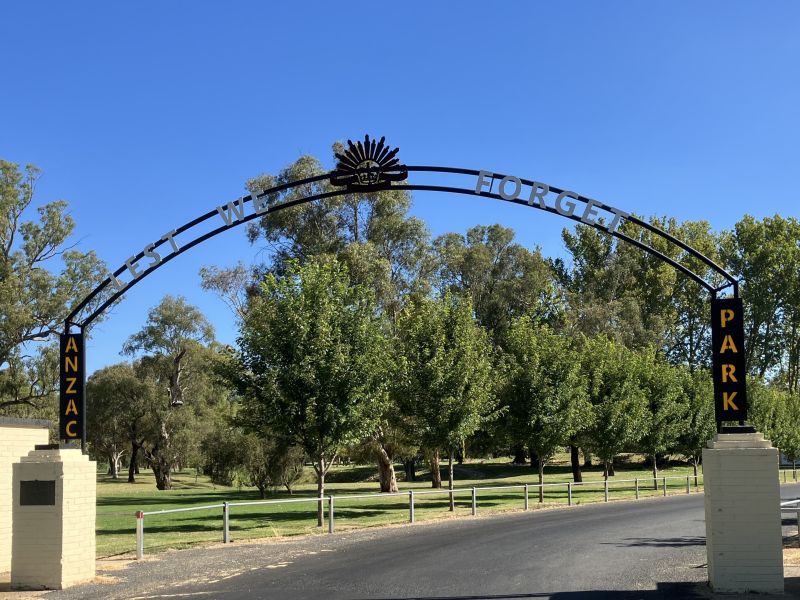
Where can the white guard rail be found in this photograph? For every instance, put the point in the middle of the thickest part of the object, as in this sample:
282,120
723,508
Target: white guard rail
411,495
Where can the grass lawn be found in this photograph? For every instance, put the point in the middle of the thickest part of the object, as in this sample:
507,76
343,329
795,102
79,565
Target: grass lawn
117,501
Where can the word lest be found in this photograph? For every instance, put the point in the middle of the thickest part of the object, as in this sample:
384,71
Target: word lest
728,366
511,188
231,214
71,380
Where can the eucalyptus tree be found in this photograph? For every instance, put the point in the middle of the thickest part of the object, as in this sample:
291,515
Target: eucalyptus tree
372,233
41,276
544,392
503,278
312,361
445,376
169,345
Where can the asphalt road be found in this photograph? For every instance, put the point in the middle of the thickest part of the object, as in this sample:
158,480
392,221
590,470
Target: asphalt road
649,549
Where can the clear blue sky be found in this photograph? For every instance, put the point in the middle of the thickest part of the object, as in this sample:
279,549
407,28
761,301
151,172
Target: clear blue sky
144,115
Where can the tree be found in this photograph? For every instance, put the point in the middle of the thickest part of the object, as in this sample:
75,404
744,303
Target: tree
446,375
268,463
110,392
544,391
700,425
766,256
173,331
619,405
312,361
41,277
504,279
666,406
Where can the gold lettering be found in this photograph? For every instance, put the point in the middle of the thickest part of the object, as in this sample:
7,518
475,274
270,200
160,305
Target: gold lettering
72,346
727,398
71,361
68,429
71,387
726,314
727,344
728,371
71,408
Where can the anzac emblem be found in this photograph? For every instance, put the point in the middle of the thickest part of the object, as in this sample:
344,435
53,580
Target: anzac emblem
368,165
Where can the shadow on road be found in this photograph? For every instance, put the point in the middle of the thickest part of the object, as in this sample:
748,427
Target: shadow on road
660,542
671,591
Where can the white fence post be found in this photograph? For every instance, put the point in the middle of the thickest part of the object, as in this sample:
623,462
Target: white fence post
410,506
526,497
569,493
665,486
330,514
688,488
605,489
474,501
139,535
226,536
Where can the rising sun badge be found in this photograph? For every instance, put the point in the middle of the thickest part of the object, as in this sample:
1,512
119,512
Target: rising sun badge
368,165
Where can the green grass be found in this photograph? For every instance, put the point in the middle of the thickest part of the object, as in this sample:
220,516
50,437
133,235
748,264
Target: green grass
118,500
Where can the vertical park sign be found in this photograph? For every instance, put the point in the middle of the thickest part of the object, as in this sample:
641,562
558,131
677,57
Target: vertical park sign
728,362
72,410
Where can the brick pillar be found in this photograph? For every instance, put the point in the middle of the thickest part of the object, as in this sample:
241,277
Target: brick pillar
54,499
17,438
743,516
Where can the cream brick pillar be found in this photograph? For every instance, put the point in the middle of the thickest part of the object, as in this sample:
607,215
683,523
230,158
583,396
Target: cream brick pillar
17,438
53,543
743,517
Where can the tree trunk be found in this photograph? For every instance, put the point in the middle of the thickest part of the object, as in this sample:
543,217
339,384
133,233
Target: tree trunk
575,460
163,474
450,479
133,467
519,455
611,472
541,480
587,459
605,470
410,467
436,474
320,469
655,473
386,474
694,467
262,492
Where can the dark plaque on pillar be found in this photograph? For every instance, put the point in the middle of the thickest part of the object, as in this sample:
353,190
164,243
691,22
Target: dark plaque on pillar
728,364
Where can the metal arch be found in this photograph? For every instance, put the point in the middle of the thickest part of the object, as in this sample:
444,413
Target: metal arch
70,320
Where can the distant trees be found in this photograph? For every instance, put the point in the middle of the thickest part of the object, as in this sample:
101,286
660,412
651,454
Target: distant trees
169,341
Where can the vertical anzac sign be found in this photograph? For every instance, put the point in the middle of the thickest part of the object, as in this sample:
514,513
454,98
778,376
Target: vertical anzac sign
728,365
72,410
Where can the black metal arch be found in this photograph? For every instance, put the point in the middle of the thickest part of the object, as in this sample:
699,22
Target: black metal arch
109,281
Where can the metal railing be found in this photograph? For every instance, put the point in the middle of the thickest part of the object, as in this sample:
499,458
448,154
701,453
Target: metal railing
793,506
331,500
